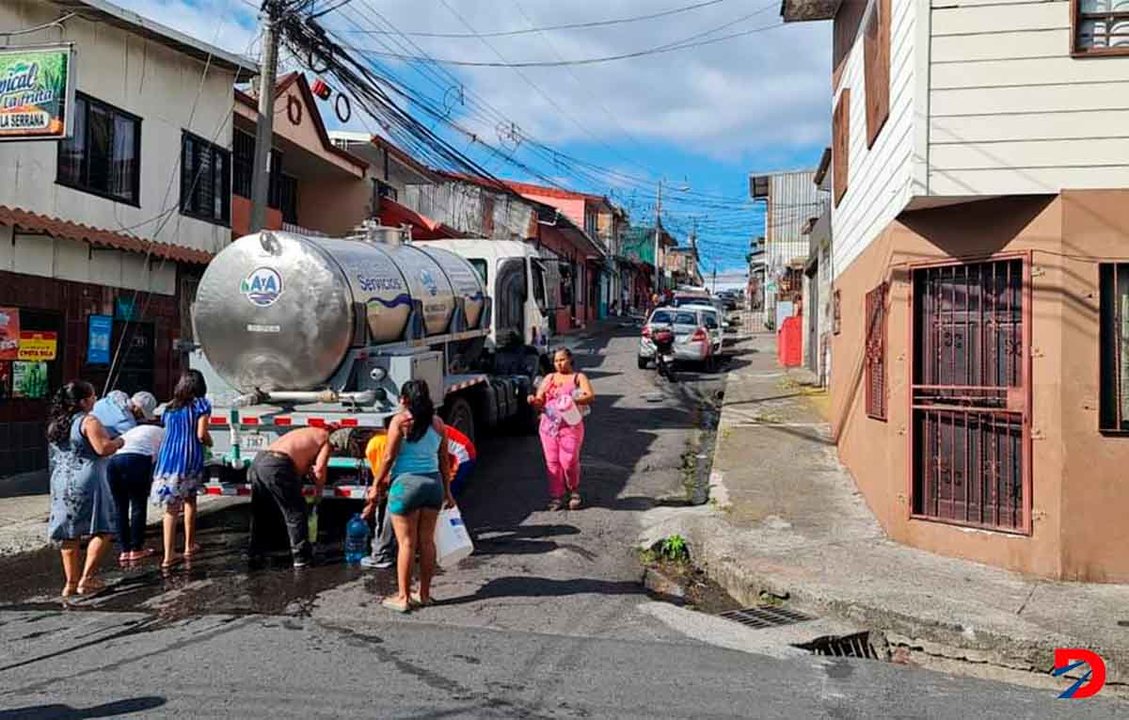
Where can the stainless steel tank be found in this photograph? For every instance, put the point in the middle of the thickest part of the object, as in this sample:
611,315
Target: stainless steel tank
275,310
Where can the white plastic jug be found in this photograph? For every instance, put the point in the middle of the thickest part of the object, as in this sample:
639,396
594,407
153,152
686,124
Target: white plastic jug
569,410
452,541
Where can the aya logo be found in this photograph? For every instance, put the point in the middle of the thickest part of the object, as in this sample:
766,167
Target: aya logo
1089,684
262,287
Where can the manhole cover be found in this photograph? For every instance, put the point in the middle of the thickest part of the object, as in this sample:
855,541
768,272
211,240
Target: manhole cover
766,616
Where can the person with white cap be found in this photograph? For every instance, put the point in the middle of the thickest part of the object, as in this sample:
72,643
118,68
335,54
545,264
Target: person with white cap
130,473
119,412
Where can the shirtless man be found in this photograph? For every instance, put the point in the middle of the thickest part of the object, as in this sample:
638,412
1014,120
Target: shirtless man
277,473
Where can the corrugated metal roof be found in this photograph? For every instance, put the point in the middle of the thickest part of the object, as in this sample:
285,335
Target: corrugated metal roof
793,200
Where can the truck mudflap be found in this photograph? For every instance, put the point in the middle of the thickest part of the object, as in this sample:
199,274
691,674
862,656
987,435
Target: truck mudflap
347,492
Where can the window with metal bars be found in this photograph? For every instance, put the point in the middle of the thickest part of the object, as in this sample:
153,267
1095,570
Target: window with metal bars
1113,341
205,180
876,352
1100,27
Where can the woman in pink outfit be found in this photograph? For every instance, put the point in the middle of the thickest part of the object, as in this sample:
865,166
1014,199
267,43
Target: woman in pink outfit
563,398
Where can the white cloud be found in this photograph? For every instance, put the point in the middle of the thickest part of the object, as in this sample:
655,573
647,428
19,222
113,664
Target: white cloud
765,93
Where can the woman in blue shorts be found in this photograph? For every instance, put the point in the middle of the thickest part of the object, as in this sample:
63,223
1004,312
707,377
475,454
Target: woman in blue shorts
416,462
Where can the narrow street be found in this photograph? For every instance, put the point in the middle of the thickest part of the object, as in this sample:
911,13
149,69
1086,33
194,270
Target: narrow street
549,618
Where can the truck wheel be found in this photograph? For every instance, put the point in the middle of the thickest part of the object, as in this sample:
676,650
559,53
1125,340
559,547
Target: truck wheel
458,413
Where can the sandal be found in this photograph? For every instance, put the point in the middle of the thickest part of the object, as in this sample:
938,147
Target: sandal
91,587
69,589
192,552
417,601
395,605
555,504
170,563
574,502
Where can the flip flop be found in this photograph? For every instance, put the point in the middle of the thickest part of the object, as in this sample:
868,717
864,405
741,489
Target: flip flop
170,564
394,605
93,586
192,551
417,601
69,589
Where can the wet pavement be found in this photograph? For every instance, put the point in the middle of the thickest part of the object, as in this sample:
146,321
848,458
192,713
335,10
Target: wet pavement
636,450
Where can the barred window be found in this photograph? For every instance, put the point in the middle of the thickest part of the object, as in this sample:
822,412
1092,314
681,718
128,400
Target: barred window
1101,27
1114,344
876,352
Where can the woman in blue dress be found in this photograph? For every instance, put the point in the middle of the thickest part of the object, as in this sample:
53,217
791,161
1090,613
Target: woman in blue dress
178,473
82,505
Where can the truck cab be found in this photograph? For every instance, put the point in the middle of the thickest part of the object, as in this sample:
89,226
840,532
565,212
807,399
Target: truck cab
516,280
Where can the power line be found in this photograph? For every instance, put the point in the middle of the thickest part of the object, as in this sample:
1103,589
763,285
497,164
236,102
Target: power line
680,45
567,26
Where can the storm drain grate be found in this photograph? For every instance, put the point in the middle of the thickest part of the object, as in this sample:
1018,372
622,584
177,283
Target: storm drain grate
766,616
867,645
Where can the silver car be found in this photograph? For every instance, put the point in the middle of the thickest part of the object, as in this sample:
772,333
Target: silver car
692,340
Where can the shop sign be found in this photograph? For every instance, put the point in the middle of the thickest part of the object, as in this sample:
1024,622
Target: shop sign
9,333
38,345
36,93
29,379
100,328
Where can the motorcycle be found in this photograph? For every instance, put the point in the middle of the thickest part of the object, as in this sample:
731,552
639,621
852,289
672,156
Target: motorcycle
663,338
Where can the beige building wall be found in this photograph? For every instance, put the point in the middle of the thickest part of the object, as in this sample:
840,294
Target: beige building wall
170,92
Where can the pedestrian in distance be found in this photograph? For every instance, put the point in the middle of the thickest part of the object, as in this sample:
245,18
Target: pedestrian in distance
276,476
119,412
81,503
178,474
563,398
416,476
131,478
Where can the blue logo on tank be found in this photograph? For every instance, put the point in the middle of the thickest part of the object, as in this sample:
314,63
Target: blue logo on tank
262,287
429,283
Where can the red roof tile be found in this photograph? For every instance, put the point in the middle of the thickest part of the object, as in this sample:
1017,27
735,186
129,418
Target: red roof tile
36,223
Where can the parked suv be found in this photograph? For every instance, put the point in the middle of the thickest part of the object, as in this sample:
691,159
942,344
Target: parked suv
692,339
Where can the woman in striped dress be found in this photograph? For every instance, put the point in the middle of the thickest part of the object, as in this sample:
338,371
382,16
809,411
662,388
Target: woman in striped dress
178,473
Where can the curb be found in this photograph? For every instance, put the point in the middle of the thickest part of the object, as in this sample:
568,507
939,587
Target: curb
708,533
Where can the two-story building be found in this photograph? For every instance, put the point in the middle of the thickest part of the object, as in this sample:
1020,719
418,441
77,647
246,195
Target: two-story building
315,186
105,215
980,173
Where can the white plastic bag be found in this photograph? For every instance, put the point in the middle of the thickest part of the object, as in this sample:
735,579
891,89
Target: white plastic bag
452,541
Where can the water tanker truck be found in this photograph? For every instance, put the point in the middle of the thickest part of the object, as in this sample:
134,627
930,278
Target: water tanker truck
295,331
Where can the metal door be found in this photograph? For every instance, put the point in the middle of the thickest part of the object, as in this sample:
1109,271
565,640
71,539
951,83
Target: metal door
970,434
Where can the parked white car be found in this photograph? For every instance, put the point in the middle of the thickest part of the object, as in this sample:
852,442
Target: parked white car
692,340
713,321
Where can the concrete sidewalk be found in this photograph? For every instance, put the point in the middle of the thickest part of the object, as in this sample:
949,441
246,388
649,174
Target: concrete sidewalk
785,519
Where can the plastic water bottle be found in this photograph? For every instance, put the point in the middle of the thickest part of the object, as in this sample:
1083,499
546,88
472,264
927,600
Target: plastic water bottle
356,540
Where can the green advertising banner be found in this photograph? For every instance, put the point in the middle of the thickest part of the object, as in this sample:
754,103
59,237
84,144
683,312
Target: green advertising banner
36,93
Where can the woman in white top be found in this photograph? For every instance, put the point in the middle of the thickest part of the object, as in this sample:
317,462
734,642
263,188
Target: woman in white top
131,475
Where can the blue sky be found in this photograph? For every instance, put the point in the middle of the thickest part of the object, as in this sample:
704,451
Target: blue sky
700,119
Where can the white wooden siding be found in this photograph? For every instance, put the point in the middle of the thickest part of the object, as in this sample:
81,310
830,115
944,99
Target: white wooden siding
880,182
1012,112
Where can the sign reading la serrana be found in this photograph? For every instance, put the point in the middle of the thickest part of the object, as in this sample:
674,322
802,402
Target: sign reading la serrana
36,93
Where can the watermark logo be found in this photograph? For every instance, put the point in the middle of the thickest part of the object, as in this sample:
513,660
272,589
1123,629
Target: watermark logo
429,283
1090,683
262,287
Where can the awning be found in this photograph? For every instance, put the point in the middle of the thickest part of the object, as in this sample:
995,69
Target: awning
393,214
30,222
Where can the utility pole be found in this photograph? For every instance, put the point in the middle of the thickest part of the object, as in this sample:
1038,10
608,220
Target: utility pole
658,225
715,278
264,125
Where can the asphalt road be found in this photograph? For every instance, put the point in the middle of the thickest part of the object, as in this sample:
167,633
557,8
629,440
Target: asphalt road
547,619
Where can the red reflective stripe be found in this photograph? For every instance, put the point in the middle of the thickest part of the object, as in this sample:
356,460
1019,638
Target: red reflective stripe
250,420
243,490
217,420
349,422
283,421
315,422
213,491
341,492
